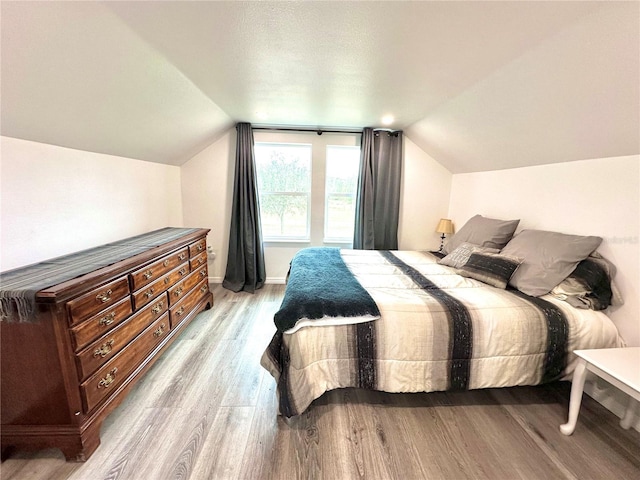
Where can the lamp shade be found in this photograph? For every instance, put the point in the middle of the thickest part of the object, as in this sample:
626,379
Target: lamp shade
444,226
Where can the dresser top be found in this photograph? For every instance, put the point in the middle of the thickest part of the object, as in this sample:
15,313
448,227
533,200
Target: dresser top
59,278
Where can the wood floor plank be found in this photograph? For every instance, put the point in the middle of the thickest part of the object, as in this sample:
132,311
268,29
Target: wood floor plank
247,378
222,454
541,411
207,410
363,441
451,441
268,454
192,446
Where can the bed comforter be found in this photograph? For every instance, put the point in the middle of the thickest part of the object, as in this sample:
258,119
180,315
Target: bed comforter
437,331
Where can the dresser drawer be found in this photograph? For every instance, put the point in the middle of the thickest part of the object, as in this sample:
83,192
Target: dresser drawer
150,273
198,261
106,347
97,299
179,290
197,247
106,380
148,293
180,310
101,323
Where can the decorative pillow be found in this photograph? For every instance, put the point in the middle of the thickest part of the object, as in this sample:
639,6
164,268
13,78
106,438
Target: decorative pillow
590,285
483,232
549,258
491,268
610,268
461,254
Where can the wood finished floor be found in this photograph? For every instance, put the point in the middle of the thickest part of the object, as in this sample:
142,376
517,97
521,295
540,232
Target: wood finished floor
207,410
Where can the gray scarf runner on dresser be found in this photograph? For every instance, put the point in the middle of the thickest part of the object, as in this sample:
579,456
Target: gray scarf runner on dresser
19,287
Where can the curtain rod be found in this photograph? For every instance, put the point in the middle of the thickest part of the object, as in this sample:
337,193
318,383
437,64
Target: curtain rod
319,131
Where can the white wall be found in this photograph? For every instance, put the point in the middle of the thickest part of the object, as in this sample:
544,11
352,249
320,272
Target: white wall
57,200
426,187
591,197
207,190
207,181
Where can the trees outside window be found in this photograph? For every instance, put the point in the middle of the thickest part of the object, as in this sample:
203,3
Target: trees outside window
284,184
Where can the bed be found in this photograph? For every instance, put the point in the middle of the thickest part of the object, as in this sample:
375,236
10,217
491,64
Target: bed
405,321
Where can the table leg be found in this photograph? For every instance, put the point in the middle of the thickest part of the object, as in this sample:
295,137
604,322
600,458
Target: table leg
577,387
598,392
629,414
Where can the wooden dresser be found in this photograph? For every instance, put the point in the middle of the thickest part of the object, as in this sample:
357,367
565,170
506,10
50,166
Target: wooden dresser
93,336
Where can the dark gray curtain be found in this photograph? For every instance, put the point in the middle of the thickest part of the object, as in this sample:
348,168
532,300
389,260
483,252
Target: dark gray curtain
378,196
245,260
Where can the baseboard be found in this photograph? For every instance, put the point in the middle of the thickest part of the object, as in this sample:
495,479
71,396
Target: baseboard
610,398
272,280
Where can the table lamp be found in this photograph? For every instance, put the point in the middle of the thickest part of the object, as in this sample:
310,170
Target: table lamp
444,226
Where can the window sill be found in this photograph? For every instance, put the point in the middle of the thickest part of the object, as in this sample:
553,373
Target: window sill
278,241
335,241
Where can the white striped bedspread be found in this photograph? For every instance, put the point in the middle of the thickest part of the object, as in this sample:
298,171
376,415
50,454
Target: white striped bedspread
437,331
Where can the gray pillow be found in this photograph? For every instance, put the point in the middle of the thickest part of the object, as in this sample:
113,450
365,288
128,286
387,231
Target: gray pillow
461,254
549,258
483,232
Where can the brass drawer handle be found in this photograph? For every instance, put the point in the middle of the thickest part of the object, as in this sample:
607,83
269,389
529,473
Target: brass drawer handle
160,330
180,311
165,263
200,247
109,379
201,261
148,274
203,289
167,280
104,350
203,272
107,319
149,293
104,297
182,272
182,256
178,291
157,307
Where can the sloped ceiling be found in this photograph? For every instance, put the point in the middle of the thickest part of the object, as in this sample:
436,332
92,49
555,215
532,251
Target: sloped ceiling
477,85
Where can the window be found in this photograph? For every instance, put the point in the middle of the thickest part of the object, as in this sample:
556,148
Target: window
341,182
284,185
307,188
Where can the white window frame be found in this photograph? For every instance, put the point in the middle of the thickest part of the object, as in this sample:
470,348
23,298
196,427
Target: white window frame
291,238
327,238
279,250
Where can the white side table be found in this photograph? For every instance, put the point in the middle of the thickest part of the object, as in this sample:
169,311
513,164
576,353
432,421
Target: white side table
618,366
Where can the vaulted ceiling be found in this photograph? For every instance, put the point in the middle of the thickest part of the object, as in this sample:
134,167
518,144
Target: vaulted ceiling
477,85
